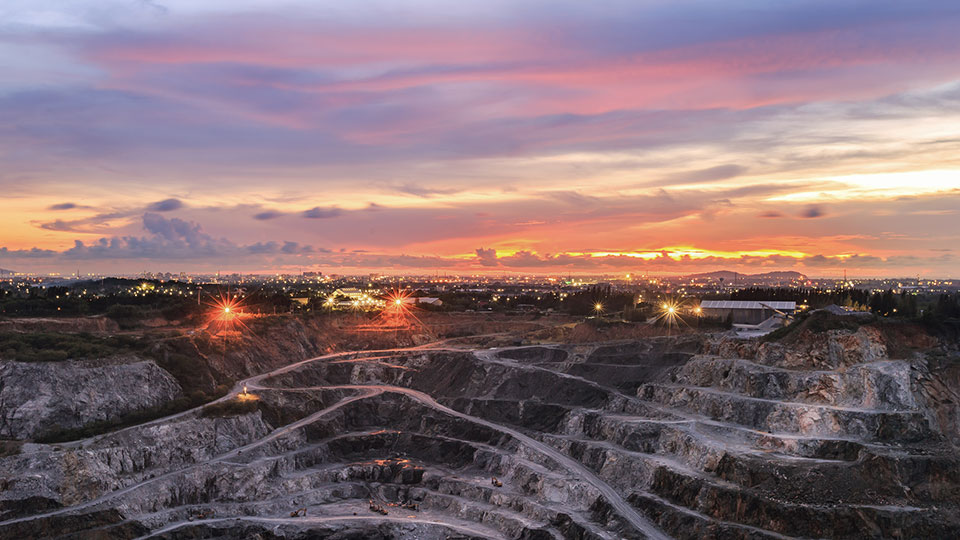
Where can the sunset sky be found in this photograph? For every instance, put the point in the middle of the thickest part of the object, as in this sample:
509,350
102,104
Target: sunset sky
489,136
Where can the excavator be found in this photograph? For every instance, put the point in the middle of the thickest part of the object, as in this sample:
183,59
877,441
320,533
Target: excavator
202,514
376,507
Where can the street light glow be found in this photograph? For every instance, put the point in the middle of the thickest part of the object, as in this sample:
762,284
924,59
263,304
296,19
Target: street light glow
227,312
670,313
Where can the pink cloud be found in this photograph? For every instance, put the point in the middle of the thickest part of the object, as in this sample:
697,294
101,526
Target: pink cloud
551,75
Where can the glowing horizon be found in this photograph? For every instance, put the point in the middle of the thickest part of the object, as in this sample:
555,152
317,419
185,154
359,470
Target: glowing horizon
487,137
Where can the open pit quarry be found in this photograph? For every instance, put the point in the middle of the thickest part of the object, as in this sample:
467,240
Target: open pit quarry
670,437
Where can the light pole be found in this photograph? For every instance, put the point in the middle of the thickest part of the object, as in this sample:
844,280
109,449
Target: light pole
226,313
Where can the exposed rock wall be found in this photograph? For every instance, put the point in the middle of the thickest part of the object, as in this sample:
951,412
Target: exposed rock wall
826,438
73,474
37,397
937,386
826,350
877,385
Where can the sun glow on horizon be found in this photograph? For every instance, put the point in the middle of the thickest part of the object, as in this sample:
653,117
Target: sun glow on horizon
676,253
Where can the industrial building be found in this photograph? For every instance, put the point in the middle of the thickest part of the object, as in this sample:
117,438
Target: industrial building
746,311
350,294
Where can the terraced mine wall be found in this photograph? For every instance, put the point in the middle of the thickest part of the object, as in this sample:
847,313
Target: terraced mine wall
166,374
38,397
683,437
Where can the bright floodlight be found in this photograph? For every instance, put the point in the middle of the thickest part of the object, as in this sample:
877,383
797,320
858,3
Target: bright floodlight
598,306
398,302
226,309
671,309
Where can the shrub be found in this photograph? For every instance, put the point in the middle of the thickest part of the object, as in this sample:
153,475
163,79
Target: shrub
56,347
126,316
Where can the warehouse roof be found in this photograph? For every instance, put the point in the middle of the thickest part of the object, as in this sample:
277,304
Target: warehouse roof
747,304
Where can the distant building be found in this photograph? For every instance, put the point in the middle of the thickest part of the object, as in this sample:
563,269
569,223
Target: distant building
352,298
351,293
746,311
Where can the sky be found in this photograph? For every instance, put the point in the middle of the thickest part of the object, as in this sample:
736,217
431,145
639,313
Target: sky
493,136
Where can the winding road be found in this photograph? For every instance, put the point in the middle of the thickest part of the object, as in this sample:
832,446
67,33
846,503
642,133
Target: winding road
573,467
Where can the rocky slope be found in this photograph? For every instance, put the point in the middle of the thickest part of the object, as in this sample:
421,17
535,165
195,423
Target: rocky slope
818,436
38,397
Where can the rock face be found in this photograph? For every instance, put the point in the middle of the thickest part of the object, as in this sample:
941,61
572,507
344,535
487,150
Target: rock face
37,397
73,474
667,437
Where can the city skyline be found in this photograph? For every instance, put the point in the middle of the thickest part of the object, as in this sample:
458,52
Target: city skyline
414,137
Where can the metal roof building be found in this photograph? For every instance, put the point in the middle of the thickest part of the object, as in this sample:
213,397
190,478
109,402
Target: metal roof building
745,311
747,304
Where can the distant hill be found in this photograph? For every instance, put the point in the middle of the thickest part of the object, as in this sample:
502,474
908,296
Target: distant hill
5,271
731,276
